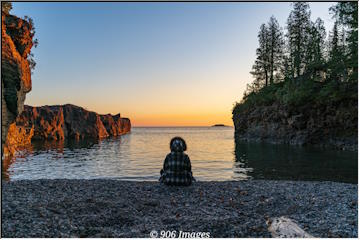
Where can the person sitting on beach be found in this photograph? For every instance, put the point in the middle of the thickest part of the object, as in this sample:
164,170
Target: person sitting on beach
177,167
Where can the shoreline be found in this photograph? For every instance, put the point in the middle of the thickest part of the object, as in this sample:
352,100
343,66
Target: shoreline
115,208
331,144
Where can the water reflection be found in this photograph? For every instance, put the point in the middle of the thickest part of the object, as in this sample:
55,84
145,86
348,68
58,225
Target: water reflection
214,154
59,146
269,161
29,159
21,152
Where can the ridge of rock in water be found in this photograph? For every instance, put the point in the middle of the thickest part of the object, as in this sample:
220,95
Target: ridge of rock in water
61,122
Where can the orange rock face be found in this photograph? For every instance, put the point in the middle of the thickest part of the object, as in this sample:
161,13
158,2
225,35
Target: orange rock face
81,124
42,123
47,123
63,122
16,44
115,125
18,136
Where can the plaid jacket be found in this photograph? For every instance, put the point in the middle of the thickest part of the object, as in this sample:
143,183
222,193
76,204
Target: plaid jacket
176,170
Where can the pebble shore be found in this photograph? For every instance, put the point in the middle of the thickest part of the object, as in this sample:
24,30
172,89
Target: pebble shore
112,208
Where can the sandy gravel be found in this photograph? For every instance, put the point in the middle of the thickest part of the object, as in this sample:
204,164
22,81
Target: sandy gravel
111,208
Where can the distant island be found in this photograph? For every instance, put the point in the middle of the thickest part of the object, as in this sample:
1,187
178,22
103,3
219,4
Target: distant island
220,125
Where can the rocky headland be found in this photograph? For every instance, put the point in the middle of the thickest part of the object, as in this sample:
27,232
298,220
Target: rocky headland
305,82
62,122
317,123
16,43
21,124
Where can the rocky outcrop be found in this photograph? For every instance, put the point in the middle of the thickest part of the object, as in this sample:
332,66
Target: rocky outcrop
63,122
80,123
47,122
333,125
115,125
18,136
16,41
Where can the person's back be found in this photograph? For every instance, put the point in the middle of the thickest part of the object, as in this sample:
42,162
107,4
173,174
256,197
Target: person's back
177,165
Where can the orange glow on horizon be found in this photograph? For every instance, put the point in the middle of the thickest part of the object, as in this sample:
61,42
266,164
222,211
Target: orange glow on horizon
171,120
167,114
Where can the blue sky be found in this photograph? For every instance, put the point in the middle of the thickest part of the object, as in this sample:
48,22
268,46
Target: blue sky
156,63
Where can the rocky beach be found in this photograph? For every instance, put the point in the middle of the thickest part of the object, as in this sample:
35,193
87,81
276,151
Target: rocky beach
111,208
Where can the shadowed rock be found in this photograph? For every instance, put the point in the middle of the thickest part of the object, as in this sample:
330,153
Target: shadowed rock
311,124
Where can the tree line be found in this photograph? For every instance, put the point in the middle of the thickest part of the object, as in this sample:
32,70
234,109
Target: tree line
303,52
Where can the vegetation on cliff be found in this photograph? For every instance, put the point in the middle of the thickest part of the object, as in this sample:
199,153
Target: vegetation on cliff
303,77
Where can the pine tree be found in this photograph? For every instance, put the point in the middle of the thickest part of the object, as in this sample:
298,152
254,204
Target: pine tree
285,69
318,36
298,25
346,14
337,55
275,43
261,68
314,58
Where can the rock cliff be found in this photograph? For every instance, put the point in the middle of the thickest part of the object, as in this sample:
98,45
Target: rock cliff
115,125
333,125
61,122
16,44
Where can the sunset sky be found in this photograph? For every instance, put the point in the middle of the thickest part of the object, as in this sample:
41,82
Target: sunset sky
160,64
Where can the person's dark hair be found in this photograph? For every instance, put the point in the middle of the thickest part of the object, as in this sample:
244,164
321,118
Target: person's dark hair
173,148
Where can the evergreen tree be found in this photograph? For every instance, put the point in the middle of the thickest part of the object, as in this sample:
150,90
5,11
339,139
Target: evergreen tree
337,55
318,36
286,72
298,25
261,68
306,55
314,58
346,14
275,43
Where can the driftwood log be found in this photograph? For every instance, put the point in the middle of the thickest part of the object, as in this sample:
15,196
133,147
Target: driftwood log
283,227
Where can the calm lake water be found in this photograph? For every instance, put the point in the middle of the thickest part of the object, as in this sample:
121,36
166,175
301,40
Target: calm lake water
214,155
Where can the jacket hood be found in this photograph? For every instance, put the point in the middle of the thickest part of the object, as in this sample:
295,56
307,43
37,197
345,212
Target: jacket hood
177,144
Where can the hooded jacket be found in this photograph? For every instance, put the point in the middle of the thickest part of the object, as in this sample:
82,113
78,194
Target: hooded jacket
177,166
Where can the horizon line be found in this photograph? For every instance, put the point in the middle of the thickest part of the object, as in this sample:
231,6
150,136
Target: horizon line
180,126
